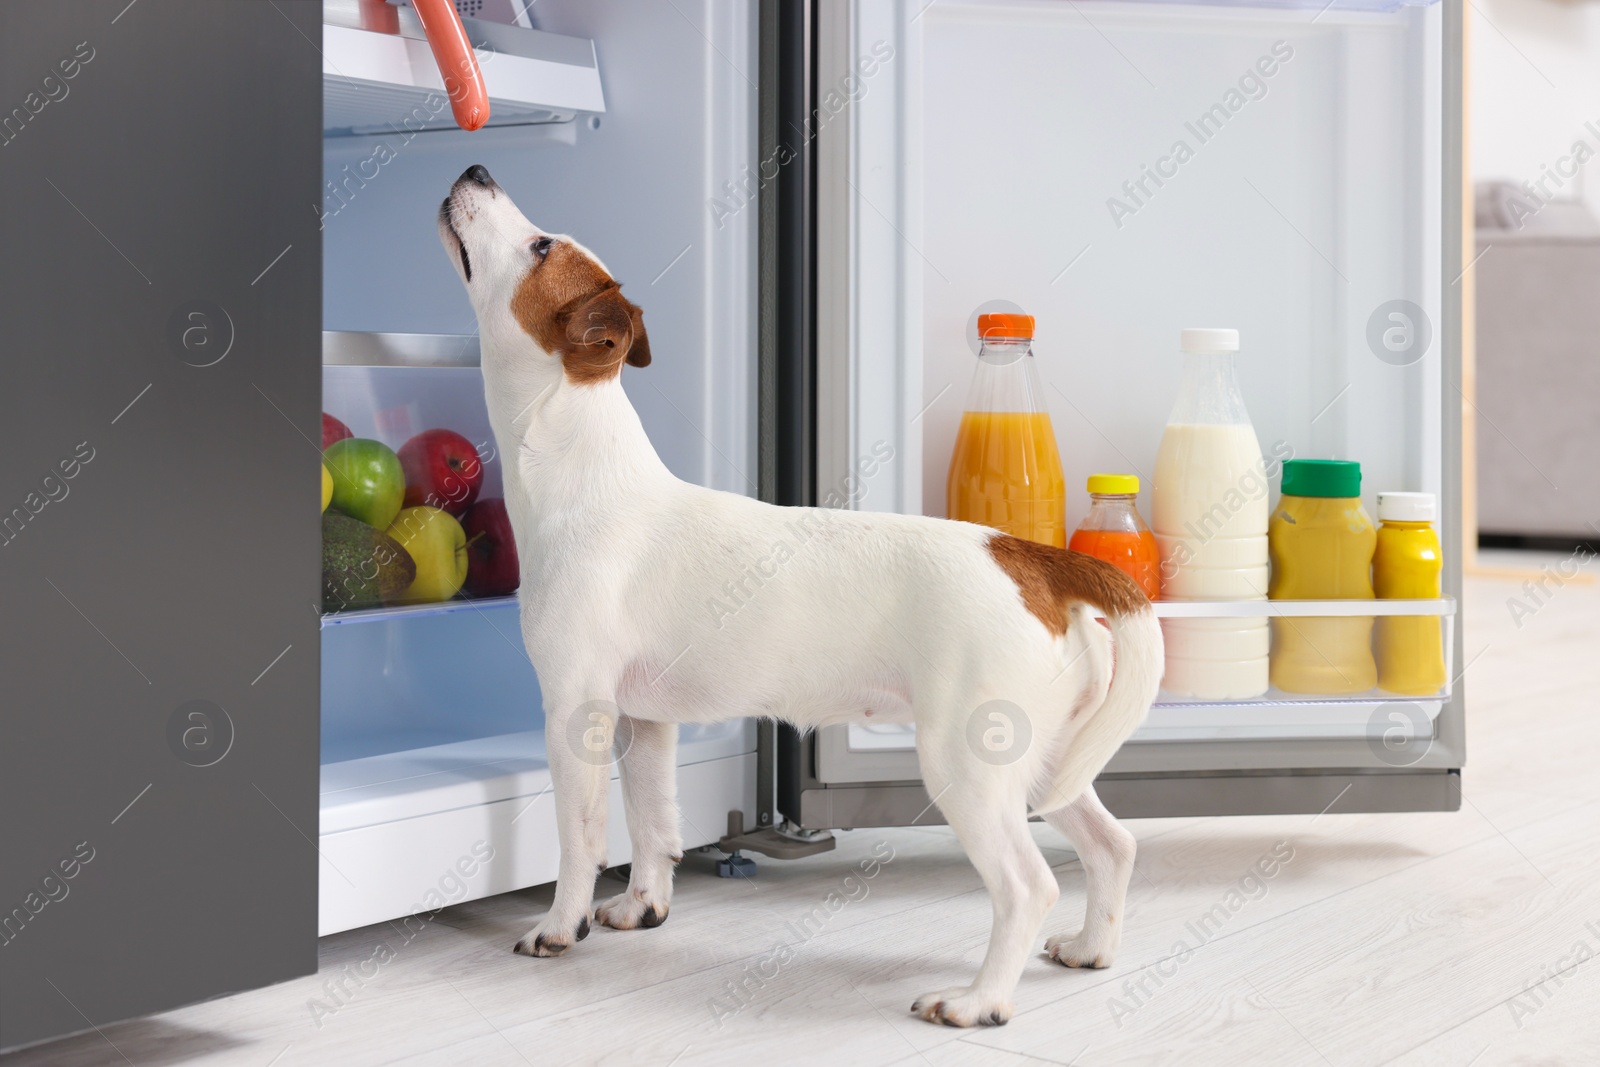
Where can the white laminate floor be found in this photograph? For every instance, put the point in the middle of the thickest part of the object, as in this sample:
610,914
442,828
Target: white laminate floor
1456,939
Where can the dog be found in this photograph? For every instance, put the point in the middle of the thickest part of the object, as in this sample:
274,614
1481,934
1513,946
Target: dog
869,617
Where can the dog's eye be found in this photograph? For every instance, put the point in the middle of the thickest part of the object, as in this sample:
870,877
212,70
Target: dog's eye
541,247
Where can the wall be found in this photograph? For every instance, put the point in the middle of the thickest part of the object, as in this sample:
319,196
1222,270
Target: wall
1535,67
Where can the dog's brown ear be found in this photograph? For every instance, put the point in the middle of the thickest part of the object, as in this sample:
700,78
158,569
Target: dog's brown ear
639,353
602,332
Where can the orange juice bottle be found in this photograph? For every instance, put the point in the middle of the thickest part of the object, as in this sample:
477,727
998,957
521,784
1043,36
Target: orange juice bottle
1005,471
1114,532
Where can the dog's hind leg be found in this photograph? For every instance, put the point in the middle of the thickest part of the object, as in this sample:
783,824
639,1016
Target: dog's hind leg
993,827
1107,851
578,741
650,795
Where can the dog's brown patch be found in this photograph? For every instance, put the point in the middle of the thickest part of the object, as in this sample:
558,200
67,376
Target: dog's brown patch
576,310
1051,579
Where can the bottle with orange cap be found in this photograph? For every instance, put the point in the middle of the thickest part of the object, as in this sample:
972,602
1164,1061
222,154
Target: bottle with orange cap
1006,470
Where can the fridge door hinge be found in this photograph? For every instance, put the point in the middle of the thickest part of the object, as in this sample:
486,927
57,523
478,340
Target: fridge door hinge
785,842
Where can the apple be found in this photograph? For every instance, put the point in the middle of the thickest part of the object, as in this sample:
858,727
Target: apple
333,430
491,550
367,481
442,471
438,546
327,487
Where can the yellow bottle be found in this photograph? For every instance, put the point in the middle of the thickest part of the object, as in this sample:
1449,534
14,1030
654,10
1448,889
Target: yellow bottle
1321,542
1406,566
1006,471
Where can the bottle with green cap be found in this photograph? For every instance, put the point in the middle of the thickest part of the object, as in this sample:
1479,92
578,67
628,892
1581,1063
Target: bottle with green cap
1321,542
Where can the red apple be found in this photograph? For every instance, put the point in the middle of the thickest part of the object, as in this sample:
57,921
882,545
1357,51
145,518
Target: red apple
442,471
333,430
491,550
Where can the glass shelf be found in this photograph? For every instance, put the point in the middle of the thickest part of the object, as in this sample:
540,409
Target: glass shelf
1300,609
417,611
344,348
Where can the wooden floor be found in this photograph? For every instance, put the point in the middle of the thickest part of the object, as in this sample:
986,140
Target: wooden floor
1452,939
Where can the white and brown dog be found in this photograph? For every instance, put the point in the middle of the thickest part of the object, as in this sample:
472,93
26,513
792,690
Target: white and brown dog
898,617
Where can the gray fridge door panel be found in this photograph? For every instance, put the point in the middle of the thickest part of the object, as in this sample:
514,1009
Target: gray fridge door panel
160,287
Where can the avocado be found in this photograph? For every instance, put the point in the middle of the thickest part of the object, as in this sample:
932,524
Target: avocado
361,566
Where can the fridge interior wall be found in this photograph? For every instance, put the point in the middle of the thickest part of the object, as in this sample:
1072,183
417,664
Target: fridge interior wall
642,186
1315,204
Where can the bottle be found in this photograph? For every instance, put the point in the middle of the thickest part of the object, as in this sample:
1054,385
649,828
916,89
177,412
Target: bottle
1209,514
1005,471
1322,543
1406,566
1114,532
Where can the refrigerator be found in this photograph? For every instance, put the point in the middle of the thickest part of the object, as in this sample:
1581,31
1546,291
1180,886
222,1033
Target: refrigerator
219,224
1123,171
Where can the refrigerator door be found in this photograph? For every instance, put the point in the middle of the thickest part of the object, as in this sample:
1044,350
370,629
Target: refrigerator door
159,558
1122,171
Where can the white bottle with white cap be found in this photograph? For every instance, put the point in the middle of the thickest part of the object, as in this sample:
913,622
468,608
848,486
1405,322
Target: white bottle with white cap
1209,514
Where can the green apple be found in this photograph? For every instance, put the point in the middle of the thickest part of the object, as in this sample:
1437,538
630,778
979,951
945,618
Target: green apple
368,483
436,542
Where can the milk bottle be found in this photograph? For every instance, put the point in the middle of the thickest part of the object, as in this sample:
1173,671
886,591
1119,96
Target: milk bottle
1209,514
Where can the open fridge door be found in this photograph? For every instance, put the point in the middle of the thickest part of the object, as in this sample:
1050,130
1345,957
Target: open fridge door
1123,171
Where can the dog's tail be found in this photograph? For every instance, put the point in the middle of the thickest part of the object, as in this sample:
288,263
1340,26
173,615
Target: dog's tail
1135,676
1065,588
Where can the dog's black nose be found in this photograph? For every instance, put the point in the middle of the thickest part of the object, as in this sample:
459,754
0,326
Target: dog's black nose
477,173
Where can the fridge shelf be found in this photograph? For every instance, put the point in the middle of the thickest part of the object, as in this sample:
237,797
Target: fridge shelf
1300,609
417,611
379,75
348,348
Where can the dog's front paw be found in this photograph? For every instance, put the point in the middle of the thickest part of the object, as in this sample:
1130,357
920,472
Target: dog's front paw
962,1007
1083,949
546,940
631,910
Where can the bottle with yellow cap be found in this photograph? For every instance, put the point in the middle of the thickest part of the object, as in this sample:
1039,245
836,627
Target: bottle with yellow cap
1006,471
1114,532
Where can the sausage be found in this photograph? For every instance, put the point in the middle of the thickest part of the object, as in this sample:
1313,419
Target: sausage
458,64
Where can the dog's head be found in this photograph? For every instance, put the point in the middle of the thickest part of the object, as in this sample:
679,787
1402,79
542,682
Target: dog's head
537,294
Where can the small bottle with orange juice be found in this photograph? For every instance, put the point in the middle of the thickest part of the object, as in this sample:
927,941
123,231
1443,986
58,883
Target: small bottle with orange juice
1006,471
1114,532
